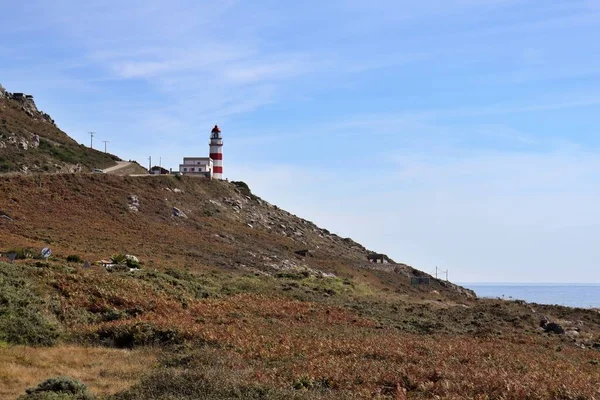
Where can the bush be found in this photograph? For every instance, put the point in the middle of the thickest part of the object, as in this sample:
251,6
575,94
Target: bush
126,259
60,388
118,258
74,258
188,384
22,319
22,253
140,334
242,187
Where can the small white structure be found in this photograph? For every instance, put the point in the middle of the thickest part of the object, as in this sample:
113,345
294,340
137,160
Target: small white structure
197,166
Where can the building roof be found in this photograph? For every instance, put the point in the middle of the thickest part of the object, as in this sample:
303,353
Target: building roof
197,158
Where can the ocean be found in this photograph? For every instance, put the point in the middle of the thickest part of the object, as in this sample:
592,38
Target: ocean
572,295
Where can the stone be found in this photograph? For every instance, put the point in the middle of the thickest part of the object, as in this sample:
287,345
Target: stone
215,202
134,203
572,333
555,328
132,258
36,141
176,212
176,190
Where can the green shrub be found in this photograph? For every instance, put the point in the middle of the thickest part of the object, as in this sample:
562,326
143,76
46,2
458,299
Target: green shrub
131,263
74,258
139,334
127,260
22,319
22,253
60,388
118,258
242,187
192,384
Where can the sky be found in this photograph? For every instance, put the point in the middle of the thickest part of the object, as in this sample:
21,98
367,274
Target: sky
461,134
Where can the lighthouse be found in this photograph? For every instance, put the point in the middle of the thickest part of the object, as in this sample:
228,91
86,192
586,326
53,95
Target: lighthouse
216,152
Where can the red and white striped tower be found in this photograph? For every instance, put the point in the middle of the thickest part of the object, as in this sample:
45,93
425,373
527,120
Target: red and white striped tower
216,152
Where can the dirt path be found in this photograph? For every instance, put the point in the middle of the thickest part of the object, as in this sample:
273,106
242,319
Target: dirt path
125,168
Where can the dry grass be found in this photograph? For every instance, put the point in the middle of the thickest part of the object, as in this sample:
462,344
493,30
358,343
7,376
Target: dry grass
316,336
104,371
289,343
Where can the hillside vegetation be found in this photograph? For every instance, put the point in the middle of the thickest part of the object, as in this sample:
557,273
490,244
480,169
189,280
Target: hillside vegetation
232,297
30,141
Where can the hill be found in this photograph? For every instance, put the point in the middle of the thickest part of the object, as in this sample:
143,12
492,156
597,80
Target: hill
30,141
233,297
171,287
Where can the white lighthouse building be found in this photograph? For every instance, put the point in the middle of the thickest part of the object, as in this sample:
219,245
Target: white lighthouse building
210,167
216,152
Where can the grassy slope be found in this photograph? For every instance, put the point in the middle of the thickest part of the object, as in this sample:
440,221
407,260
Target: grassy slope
232,323
56,150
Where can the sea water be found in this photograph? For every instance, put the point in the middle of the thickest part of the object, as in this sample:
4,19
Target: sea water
572,295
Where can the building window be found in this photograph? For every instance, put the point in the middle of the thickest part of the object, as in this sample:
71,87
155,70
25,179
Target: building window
192,169
185,170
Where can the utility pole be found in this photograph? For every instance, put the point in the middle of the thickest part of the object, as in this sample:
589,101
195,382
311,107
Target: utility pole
149,163
92,139
436,269
160,162
105,141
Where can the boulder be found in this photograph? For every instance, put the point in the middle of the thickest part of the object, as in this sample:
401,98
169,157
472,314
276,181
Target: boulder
134,203
555,328
132,258
176,212
572,333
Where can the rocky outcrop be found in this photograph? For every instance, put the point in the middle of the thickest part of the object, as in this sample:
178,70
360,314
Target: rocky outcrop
134,203
28,106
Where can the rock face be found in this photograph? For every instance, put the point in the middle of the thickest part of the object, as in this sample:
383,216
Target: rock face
30,141
28,106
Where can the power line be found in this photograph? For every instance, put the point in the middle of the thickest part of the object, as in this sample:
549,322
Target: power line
441,271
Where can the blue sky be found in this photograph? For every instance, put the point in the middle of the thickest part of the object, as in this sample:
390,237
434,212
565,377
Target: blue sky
457,133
